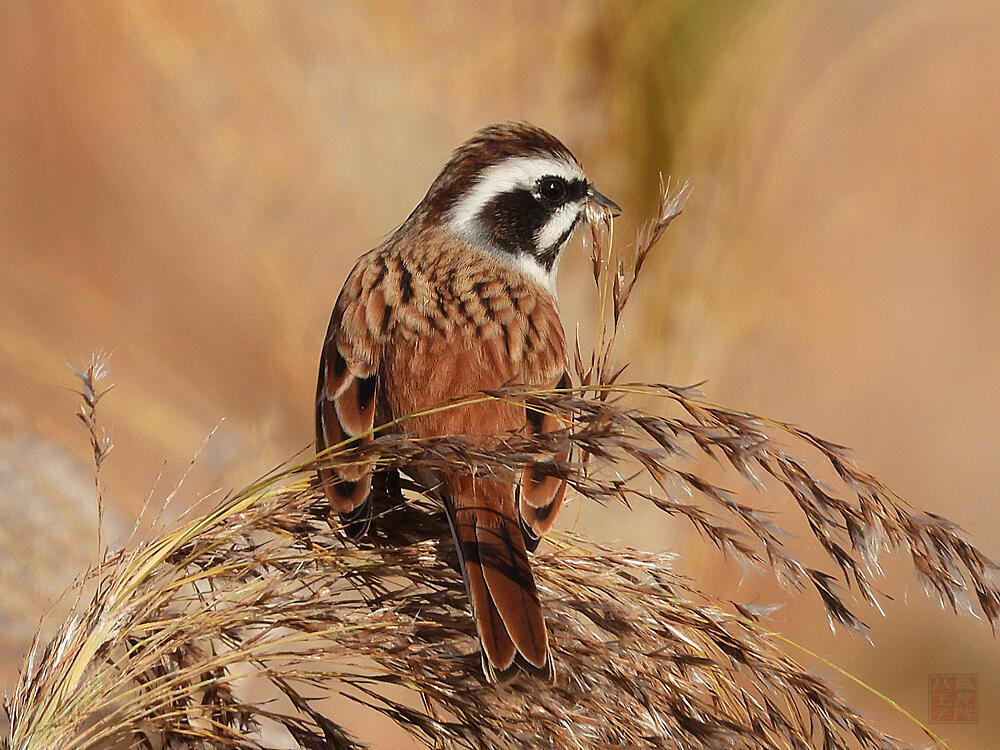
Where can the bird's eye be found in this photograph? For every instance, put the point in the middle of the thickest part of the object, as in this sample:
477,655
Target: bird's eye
552,189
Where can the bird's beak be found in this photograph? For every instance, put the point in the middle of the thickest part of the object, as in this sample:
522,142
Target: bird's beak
604,201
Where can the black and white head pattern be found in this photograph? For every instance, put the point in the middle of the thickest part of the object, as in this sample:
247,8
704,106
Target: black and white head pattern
523,210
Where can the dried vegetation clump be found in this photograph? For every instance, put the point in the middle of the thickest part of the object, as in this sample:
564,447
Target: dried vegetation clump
170,638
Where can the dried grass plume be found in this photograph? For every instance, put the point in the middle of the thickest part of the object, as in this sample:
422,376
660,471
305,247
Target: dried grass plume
170,637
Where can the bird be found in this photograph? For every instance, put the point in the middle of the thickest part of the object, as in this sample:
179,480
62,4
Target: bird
459,299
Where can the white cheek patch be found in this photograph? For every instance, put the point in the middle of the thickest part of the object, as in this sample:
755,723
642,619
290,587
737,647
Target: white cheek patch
557,227
519,172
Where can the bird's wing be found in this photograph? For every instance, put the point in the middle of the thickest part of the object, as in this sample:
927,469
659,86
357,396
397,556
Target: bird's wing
347,392
541,492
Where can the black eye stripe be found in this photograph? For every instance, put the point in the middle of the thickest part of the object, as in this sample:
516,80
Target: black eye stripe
559,190
576,189
511,220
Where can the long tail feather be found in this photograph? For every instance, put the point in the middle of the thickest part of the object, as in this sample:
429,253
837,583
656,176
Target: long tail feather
498,575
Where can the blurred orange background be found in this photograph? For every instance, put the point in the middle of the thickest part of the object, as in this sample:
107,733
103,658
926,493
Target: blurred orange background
186,185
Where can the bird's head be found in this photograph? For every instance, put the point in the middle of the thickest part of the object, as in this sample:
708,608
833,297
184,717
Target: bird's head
517,193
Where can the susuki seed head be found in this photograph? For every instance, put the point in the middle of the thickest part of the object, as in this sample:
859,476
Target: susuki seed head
516,192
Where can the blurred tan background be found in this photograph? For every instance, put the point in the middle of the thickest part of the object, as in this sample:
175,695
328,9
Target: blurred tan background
186,185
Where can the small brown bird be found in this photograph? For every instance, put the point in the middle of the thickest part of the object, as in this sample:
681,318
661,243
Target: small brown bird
459,299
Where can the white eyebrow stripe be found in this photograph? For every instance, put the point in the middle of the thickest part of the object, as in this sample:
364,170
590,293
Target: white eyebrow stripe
510,174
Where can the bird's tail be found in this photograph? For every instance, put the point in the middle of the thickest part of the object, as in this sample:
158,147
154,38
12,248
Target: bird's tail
497,575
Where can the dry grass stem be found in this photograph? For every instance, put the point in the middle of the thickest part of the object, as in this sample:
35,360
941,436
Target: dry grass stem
101,443
260,597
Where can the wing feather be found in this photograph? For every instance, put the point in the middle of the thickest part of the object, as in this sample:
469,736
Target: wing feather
346,397
542,492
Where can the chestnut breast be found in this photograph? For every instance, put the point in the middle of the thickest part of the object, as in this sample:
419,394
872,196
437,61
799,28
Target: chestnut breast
462,322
